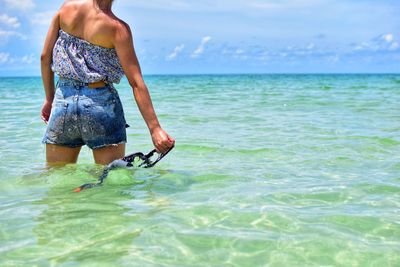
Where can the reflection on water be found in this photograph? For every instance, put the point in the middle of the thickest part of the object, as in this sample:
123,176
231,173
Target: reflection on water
97,225
269,170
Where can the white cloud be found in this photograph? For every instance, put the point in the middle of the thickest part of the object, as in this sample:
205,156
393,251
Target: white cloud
239,51
6,34
10,21
18,61
311,46
28,59
333,59
43,18
388,42
383,42
388,37
394,46
362,46
201,47
175,53
19,4
240,54
4,57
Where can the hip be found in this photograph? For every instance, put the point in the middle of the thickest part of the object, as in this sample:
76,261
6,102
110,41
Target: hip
72,92
77,102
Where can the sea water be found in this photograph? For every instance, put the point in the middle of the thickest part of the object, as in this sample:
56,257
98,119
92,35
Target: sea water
268,170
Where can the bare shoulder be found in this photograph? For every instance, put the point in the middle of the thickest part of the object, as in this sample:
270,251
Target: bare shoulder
70,9
122,30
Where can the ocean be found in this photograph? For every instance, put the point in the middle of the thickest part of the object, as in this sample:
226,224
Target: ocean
268,170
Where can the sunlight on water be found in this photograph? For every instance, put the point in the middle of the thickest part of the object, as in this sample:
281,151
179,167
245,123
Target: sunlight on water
268,170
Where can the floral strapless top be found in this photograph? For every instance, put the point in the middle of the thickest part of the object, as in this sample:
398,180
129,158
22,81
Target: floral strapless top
78,59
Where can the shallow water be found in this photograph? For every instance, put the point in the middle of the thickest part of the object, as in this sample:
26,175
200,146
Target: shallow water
268,170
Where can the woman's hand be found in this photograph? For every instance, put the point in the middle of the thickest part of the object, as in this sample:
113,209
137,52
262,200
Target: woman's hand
123,42
46,110
161,140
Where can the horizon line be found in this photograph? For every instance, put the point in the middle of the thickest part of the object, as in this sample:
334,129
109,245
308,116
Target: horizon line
238,74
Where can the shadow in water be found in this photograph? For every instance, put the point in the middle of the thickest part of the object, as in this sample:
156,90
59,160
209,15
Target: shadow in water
93,226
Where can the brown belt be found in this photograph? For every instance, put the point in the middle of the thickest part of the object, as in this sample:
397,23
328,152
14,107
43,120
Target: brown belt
97,84
90,85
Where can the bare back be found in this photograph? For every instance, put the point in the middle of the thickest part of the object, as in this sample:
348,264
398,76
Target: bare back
81,18
85,20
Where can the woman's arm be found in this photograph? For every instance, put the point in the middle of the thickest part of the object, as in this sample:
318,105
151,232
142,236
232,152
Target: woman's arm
123,43
45,62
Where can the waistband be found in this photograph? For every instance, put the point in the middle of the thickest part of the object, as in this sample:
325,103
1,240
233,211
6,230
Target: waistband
71,82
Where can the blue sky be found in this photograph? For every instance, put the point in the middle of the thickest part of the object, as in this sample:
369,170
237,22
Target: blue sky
227,36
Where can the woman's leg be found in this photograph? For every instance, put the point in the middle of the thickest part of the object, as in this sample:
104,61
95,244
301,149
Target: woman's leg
108,154
56,155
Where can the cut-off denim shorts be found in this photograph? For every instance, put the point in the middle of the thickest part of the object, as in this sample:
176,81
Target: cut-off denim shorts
85,116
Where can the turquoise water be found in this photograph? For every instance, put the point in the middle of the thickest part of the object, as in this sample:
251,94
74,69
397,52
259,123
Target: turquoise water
268,170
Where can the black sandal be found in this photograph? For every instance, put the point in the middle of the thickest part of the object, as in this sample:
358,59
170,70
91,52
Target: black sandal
127,161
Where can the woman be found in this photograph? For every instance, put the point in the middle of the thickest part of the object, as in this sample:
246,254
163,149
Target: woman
90,49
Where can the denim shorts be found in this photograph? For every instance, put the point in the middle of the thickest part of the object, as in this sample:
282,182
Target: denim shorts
85,116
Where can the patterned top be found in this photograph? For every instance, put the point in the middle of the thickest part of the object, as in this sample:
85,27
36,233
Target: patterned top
78,59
